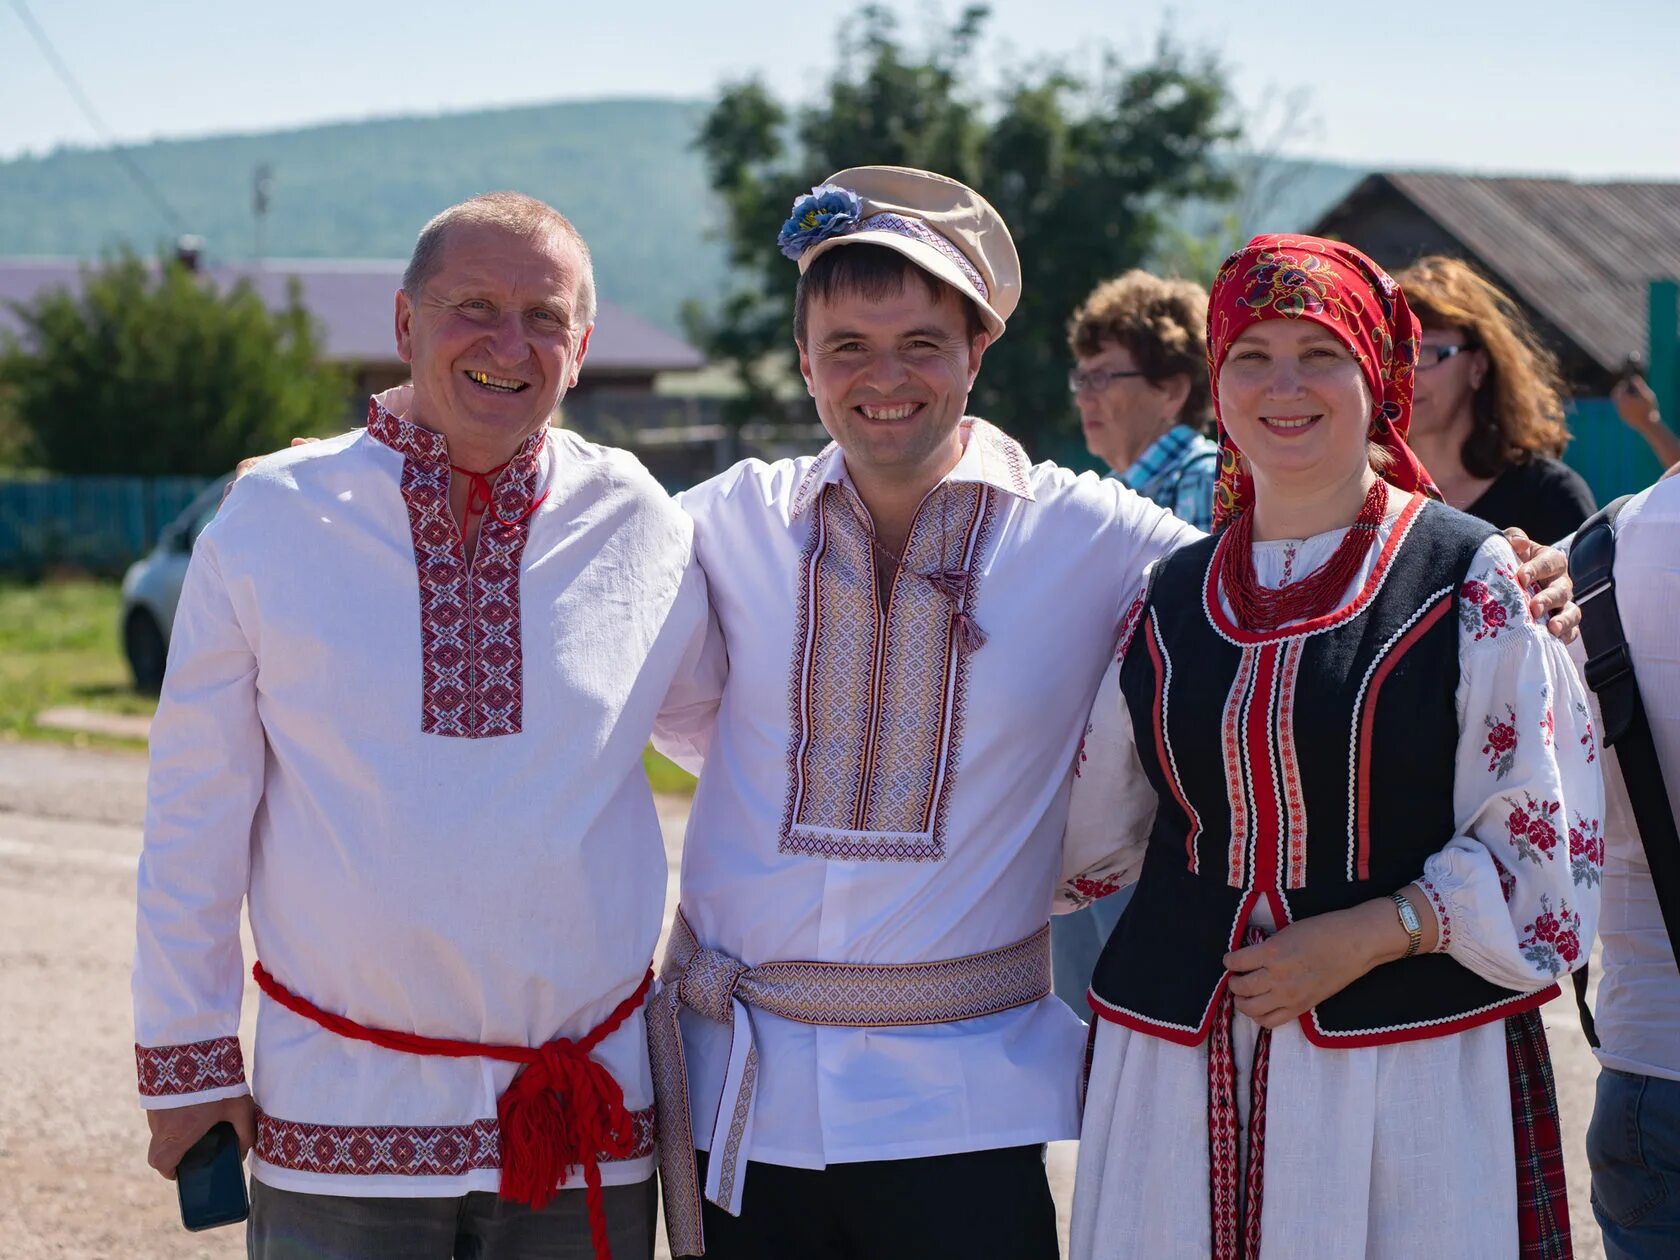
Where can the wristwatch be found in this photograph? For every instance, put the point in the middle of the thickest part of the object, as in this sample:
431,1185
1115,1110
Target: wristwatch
1409,921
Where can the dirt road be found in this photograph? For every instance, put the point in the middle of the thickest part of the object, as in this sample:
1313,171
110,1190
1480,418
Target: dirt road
72,1139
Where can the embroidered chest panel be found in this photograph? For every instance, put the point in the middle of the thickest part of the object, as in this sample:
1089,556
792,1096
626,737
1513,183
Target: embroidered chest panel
879,678
471,657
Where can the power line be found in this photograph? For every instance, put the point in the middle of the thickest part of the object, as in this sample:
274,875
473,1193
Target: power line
117,151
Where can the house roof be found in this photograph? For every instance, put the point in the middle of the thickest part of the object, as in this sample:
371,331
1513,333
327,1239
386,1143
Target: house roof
352,299
1580,254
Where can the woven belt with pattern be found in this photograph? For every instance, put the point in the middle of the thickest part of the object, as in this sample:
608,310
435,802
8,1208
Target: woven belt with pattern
841,995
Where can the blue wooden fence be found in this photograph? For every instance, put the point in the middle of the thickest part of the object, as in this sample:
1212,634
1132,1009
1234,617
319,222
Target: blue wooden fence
96,523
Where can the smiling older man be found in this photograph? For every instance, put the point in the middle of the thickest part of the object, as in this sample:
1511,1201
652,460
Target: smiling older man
412,675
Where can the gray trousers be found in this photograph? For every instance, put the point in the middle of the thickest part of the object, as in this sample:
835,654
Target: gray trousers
286,1225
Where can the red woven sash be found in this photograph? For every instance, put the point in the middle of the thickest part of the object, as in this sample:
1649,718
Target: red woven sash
1235,1194
563,1109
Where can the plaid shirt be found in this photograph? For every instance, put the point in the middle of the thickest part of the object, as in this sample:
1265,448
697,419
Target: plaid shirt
1178,472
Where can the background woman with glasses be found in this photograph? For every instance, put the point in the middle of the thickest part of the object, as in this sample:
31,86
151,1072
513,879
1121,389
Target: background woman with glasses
1487,421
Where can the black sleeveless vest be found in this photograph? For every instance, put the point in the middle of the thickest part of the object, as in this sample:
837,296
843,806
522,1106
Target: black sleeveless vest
1312,766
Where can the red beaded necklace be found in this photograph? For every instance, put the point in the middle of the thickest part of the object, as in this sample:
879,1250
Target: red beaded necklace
1259,608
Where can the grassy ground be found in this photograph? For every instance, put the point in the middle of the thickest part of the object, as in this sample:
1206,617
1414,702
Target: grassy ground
58,646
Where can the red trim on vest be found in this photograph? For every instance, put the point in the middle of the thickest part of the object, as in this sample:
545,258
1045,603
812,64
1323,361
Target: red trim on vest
1263,769
1180,1034
1167,768
1424,1032
1223,623
1367,719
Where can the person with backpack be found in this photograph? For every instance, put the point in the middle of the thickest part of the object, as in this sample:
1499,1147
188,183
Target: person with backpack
1630,651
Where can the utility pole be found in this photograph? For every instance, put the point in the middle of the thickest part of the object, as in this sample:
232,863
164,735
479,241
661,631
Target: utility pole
262,185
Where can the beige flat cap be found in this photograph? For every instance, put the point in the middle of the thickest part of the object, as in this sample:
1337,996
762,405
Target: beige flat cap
945,228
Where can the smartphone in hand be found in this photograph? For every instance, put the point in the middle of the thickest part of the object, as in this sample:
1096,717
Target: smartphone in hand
211,1181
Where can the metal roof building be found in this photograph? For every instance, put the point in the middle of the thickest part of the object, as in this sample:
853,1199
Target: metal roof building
1578,256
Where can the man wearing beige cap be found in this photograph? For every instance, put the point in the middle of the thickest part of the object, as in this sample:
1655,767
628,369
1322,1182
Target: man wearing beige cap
917,619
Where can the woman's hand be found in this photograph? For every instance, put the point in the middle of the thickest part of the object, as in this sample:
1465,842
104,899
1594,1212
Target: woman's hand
1289,973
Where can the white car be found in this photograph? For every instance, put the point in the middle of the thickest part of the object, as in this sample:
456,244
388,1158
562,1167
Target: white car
152,587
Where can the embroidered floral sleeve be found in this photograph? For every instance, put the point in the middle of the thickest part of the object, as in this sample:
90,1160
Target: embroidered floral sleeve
1516,891
1112,806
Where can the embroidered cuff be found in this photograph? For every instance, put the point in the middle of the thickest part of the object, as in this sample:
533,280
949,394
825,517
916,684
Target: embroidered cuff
166,1071
1443,937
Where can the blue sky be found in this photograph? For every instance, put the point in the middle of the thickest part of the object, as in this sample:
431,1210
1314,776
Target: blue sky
1489,85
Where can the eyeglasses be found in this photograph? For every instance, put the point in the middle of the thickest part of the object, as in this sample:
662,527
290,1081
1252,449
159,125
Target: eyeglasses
1096,380
1434,356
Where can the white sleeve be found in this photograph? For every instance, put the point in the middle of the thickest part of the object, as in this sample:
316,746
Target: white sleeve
1145,532
1112,805
1516,891
683,728
206,779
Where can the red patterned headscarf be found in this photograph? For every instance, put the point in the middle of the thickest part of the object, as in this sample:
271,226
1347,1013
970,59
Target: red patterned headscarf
1336,286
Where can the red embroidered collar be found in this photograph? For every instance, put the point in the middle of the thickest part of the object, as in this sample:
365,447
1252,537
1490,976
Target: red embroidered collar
514,492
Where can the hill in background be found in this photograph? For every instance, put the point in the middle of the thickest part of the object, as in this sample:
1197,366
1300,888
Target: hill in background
624,171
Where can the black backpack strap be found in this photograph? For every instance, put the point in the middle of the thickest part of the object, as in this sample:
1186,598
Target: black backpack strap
1610,674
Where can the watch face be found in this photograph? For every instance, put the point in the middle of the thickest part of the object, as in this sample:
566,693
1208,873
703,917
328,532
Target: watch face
1408,916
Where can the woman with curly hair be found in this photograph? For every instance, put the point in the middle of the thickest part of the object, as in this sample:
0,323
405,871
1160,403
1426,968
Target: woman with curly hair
1487,420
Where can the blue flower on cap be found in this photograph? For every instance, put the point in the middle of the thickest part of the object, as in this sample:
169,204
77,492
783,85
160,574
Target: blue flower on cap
827,210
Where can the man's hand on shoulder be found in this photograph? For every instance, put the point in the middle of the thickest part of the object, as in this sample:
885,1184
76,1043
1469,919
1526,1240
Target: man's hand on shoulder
1545,572
175,1129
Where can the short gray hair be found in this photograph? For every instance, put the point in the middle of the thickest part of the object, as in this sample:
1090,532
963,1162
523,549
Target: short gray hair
511,212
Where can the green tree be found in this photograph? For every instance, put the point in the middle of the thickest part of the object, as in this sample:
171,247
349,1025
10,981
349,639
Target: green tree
153,371
1084,170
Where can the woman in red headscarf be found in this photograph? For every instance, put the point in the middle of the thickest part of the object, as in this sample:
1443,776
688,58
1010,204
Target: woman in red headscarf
1376,839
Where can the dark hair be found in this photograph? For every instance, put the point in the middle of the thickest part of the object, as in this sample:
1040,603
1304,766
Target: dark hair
1519,409
873,272
1160,323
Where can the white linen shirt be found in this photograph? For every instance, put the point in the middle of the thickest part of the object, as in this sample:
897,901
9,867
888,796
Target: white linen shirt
1638,1005
874,798
505,889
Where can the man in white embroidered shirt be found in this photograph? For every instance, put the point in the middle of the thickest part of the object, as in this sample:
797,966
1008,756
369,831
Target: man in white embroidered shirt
412,675
885,792
854,1050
